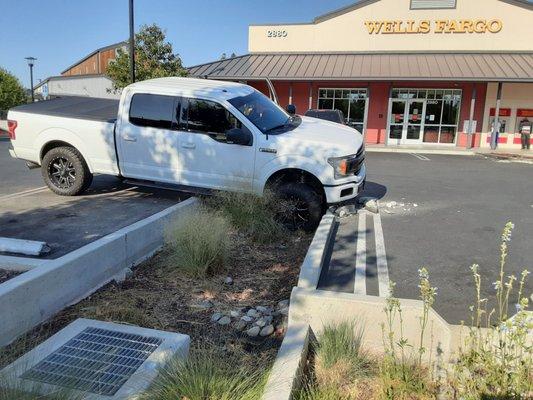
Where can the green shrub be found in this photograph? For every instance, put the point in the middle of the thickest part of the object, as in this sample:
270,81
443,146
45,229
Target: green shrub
251,214
207,375
198,242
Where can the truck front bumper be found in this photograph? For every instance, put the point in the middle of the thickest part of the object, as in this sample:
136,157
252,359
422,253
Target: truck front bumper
346,190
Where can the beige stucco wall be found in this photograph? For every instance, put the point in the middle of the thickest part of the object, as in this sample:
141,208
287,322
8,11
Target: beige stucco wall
347,32
514,96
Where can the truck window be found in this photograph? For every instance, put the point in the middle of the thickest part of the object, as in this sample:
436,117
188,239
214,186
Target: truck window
152,110
205,116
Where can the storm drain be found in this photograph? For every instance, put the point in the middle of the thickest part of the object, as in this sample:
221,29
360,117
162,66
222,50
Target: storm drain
100,358
97,360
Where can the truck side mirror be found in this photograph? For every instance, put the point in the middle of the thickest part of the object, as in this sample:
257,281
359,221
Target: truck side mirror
291,109
239,136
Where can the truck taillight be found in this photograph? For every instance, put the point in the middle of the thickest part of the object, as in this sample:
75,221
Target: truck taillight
11,126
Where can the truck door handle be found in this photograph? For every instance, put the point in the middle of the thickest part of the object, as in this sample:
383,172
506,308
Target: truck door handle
129,138
188,145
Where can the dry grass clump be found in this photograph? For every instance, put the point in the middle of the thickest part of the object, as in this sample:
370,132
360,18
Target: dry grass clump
207,374
198,242
255,216
342,371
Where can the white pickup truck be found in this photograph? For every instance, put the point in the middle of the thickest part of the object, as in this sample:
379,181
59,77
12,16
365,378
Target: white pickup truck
191,134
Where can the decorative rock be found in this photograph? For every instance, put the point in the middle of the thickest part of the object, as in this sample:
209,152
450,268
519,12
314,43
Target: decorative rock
252,312
225,320
216,316
246,318
264,310
253,331
235,313
261,322
204,305
284,311
267,330
283,304
228,280
240,325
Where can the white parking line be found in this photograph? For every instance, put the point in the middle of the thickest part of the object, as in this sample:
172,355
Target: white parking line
420,156
23,193
360,258
381,258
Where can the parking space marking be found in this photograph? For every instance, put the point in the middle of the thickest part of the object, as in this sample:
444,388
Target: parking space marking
23,193
381,258
360,258
420,156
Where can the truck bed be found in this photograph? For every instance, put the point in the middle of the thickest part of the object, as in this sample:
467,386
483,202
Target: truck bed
91,108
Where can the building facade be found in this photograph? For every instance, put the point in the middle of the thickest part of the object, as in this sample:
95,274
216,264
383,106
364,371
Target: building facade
403,72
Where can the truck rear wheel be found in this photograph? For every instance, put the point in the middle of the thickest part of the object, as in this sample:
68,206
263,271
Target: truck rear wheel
301,206
65,171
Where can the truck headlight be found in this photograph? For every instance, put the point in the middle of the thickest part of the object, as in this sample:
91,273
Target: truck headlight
340,166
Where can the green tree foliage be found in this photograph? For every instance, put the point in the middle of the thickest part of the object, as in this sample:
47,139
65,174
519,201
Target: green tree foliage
153,59
11,91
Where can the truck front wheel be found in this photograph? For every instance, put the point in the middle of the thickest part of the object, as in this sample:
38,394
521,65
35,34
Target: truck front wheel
300,207
65,171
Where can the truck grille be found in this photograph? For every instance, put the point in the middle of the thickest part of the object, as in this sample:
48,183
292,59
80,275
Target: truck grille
355,163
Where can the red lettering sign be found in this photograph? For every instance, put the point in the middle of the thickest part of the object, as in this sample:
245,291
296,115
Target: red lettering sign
524,113
504,112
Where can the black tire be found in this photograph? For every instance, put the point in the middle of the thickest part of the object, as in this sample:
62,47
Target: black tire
302,206
65,171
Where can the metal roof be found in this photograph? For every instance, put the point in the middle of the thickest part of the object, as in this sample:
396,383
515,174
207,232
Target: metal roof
437,66
109,47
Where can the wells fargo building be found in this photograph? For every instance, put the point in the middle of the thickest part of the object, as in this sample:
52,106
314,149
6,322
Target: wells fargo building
401,71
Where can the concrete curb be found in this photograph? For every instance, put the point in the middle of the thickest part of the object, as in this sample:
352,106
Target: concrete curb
287,372
312,264
450,152
32,297
21,264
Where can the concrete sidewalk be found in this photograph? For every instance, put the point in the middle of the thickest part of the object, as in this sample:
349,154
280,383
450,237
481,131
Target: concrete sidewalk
420,149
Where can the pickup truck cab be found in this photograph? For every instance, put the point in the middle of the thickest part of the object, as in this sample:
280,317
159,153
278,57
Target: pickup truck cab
191,134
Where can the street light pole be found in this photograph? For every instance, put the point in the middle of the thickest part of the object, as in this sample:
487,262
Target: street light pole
132,44
31,62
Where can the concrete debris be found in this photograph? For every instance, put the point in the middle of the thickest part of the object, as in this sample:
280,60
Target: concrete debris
372,206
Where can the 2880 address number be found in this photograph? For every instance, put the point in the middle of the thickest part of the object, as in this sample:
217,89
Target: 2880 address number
277,33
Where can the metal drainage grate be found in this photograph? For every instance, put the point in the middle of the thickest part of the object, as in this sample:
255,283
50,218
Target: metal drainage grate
96,360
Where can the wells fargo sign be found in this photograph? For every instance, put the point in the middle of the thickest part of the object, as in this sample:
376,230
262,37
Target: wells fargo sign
436,26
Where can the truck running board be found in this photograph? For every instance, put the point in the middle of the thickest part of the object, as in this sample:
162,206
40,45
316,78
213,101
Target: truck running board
170,186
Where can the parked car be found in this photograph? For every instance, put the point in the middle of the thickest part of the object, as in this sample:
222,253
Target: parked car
327,115
191,134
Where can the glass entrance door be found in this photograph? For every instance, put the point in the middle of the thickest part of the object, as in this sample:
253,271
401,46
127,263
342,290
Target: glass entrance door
406,121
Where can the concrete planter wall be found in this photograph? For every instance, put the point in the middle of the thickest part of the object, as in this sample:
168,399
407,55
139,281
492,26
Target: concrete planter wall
36,295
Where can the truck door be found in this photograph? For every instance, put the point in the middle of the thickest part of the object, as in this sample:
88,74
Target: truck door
207,159
147,140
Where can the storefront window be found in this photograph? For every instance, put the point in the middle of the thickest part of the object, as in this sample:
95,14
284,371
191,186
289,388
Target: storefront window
352,103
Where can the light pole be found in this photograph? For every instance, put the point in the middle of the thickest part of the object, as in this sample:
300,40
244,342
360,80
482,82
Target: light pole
132,44
31,62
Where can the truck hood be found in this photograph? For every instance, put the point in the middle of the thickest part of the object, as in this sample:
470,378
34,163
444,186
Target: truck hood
331,139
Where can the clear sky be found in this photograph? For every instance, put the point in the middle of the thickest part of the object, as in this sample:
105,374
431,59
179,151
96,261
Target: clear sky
60,32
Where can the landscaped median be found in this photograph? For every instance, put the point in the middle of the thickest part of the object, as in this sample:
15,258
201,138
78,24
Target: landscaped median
223,277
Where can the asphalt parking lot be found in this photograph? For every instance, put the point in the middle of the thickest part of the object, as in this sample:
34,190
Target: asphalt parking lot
28,210
441,212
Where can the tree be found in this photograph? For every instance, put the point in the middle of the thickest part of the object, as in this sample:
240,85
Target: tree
11,91
154,58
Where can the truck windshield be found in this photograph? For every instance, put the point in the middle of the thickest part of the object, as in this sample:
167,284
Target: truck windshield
264,114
